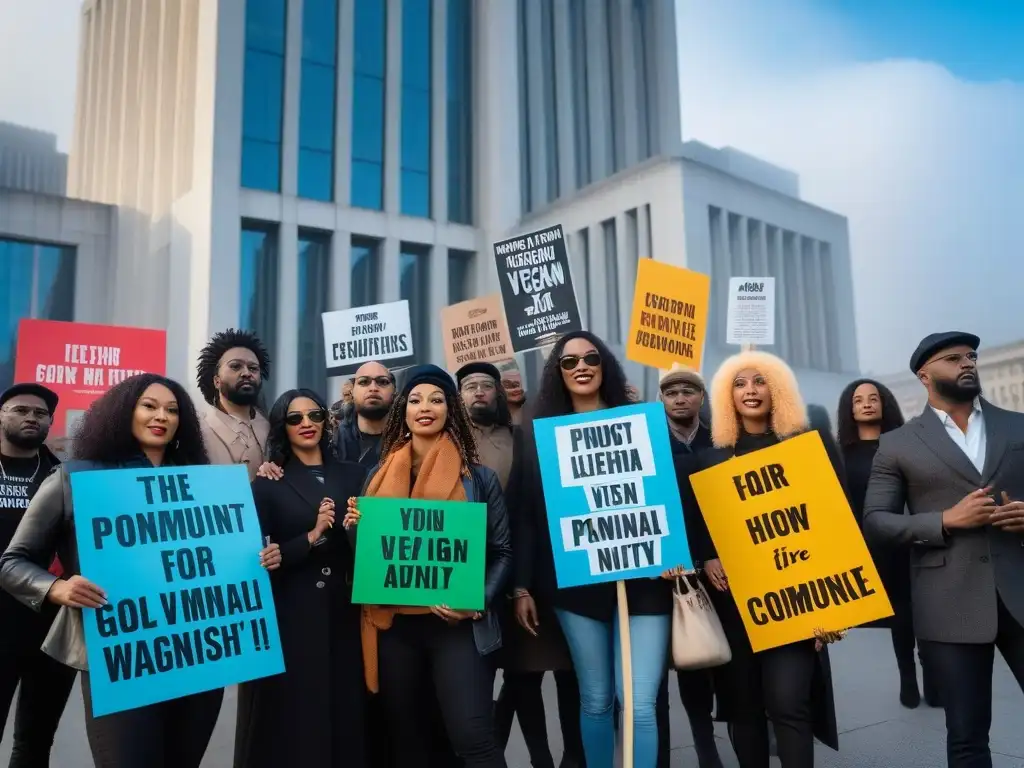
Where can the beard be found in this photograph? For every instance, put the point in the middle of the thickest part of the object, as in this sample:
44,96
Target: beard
484,415
234,395
953,389
375,412
26,442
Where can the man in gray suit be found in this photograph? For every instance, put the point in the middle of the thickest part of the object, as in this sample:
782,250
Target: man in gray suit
959,470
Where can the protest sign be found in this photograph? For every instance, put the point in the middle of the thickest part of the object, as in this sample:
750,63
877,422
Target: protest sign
536,288
669,320
791,547
416,552
80,361
751,318
475,331
379,332
611,494
189,606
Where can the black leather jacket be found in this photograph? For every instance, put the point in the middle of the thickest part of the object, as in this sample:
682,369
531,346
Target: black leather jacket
484,486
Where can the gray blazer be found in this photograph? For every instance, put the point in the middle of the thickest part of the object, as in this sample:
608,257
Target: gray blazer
955,577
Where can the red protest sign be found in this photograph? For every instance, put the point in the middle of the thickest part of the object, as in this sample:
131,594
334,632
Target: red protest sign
80,361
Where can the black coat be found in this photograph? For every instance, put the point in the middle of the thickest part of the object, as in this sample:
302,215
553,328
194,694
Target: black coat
312,715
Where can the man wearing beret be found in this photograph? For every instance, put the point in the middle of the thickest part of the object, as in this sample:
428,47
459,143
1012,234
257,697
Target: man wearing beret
26,413
958,469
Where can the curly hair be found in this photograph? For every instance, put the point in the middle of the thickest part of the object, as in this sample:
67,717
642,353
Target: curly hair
279,447
553,398
892,416
105,432
457,426
210,355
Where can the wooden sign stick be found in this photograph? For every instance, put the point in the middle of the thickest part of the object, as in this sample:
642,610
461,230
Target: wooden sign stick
748,347
627,675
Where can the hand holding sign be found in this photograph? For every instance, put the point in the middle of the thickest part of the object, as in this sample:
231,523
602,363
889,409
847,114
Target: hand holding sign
324,521
76,592
270,556
353,514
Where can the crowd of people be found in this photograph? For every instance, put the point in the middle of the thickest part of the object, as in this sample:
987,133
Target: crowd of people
400,686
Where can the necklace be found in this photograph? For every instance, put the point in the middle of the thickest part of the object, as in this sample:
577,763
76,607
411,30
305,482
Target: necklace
3,471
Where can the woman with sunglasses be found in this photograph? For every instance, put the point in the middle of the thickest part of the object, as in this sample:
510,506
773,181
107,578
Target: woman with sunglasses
581,375
312,715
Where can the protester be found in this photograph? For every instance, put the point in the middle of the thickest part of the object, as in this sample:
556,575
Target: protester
230,374
524,659
958,469
144,421
512,383
867,410
682,392
428,452
26,413
358,438
755,404
581,375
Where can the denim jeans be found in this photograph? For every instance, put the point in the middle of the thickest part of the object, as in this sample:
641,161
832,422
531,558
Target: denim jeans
594,646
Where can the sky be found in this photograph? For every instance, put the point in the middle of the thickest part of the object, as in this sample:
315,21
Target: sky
906,116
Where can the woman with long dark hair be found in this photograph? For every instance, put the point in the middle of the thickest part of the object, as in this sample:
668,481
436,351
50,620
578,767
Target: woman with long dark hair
581,375
145,421
428,452
867,410
311,715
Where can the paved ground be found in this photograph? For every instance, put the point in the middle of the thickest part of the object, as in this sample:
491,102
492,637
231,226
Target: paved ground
876,732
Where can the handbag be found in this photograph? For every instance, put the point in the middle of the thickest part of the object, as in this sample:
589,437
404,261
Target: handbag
698,640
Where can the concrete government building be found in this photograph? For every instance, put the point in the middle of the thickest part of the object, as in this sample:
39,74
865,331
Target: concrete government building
257,162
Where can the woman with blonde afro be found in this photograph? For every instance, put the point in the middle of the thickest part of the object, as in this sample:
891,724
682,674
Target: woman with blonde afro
756,403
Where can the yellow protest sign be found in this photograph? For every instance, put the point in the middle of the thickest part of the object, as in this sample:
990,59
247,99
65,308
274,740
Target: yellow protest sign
792,551
670,315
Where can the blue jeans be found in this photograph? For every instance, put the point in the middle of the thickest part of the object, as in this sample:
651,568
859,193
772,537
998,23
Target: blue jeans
594,647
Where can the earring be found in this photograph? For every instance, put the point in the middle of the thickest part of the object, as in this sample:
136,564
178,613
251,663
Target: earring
177,444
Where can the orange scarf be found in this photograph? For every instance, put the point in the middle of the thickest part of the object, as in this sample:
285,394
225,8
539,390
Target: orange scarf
439,478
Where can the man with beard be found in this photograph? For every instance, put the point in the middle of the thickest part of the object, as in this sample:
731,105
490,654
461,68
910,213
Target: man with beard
230,375
26,412
358,436
512,383
958,470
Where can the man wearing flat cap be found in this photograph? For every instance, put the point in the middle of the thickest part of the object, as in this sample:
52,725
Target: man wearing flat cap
481,390
682,392
26,413
958,469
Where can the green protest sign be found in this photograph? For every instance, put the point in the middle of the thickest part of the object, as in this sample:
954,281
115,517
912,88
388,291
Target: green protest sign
415,552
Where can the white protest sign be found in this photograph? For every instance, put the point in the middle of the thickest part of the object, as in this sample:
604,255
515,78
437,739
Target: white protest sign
379,332
751,311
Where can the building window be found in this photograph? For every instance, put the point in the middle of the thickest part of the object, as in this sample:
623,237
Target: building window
460,276
263,97
257,294
37,280
581,101
314,300
365,272
369,65
415,285
611,282
460,111
317,99
550,86
416,74
525,174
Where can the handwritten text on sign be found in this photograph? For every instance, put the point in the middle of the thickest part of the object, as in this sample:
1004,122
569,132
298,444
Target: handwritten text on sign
792,550
197,612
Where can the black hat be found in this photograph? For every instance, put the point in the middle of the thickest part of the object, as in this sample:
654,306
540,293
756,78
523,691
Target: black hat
48,396
470,368
937,342
429,374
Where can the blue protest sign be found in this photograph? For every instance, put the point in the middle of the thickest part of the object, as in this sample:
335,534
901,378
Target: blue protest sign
610,489
189,605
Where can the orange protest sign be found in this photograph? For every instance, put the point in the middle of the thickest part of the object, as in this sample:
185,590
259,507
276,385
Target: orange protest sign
475,331
792,551
670,315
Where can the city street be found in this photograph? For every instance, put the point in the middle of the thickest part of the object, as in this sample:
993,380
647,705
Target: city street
875,731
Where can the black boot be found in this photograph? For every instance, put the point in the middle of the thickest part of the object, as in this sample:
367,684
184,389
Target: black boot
910,695
931,689
705,746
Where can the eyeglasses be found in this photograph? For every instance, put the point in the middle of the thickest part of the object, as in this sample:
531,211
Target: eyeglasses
380,381
569,362
23,411
478,386
956,358
294,418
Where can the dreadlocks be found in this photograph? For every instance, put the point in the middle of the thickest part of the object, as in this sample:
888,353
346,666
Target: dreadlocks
210,355
457,425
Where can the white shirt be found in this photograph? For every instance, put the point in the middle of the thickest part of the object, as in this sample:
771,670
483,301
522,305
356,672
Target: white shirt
973,442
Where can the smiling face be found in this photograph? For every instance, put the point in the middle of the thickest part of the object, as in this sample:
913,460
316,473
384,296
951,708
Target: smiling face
426,413
751,396
155,421
867,404
581,368
304,423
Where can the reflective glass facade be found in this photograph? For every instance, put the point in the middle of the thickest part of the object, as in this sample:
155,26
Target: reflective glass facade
317,99
368,83
37,280
414,180
263,98
314,300
460,110
460,272
365,287
257,290
415,281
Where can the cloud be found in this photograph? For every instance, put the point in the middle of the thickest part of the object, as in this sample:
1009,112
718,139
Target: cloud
39,41
928,168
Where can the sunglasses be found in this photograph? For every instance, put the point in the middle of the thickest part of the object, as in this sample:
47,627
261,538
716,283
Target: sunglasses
569,362
380,381
294,418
